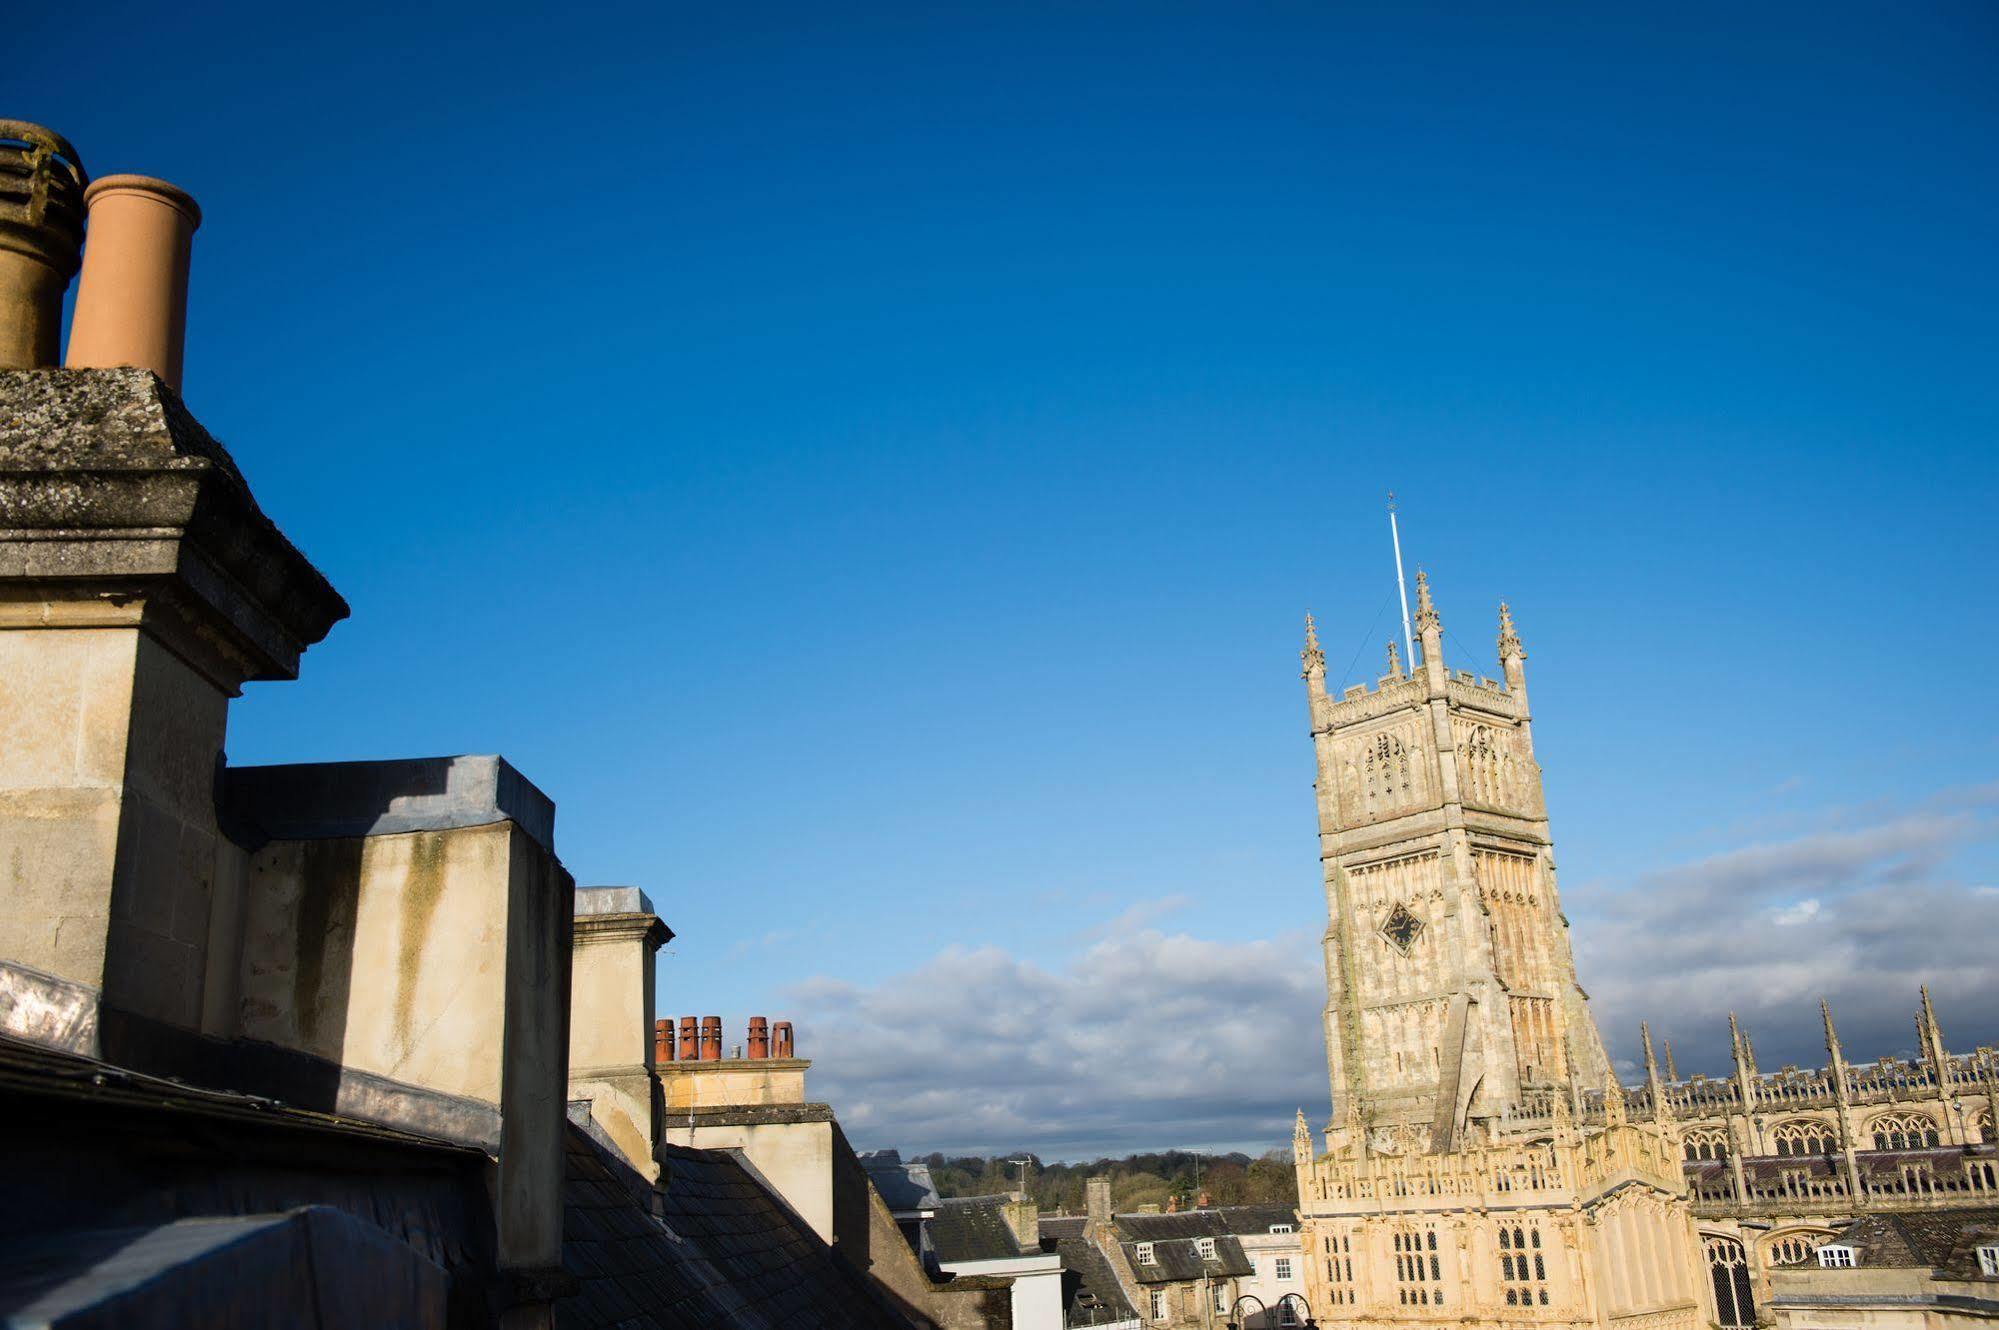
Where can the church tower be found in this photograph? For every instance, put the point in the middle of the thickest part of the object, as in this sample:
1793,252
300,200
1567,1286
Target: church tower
1451,992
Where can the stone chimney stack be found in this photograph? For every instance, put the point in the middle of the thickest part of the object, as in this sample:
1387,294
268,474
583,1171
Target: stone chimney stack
41,236
1023,1216
1097,1201
131,303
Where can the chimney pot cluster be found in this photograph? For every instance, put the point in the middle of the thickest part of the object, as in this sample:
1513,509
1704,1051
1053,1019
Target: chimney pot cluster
701,1040
131,235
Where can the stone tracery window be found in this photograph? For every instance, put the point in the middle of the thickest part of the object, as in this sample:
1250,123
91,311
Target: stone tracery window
1419,1274
1904,1131
1523,1267
1706,1143
1387,772
1483,766
1797,1248
1728,1267
1339,1268
1803,1136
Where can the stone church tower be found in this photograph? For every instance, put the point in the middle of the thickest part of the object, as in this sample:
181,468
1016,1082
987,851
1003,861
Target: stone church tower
1451,992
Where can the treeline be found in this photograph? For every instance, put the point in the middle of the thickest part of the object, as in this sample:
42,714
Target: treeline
1136,1180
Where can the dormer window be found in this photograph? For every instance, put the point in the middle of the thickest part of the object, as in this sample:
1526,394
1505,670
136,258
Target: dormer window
1282,1228
1145,1256
1206,1246
1835,1257
1988,1260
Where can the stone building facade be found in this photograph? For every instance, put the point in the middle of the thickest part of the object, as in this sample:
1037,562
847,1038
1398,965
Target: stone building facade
1482,1165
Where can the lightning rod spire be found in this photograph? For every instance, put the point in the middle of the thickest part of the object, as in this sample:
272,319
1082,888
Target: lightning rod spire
1401,588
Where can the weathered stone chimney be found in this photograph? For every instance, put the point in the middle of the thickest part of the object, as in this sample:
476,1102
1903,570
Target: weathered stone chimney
613,1041
1097,1201
1023,1216
131,302
41,236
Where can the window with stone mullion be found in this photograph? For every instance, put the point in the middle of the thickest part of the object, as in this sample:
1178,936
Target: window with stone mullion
1523,1266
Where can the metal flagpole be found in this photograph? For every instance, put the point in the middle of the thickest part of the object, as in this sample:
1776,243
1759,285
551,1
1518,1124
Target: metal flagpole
1395,535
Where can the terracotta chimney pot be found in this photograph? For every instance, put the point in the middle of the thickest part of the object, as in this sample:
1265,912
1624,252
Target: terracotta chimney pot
711,1038
690,1039
662,1041
41,235
759,1037
780,1040
131,303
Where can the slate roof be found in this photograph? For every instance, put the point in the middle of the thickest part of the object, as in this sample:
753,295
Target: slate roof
972,1228
902,1186
1945,1240
1175,1254
713,1251
1090,1291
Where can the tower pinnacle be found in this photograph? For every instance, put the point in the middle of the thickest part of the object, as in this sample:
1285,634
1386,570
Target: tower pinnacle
1426,612
1394,660
1313,659
1509,641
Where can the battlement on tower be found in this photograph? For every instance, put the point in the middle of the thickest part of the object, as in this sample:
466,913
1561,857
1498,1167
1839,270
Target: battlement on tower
1392,692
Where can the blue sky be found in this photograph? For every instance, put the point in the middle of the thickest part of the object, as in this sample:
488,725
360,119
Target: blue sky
870,467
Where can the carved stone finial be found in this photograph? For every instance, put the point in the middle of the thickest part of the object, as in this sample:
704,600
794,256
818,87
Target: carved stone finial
1426,612
1314,659
1613,1100
1509,640
1394,661
1831,1039
1645,1038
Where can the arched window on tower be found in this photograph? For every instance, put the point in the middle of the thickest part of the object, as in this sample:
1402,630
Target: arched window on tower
1728,1266
1803,1136
1904,1131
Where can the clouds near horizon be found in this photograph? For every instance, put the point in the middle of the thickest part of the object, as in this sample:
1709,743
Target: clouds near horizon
1145,1039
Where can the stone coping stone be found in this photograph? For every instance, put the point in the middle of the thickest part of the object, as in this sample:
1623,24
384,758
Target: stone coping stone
612,900
335,800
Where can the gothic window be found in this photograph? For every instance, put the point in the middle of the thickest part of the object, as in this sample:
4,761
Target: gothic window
1728,1266
1904,1131
1707,1144
1482,766
1805,1137
1339,1269
1523,1267
1982,1123
1401,928
1418,1272
1795,1248
1388,774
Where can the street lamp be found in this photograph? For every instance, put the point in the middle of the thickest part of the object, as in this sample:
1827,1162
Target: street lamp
1238,1322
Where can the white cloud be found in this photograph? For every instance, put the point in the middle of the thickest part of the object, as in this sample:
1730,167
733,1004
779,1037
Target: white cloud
1860,913
1803,911
1145,1040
